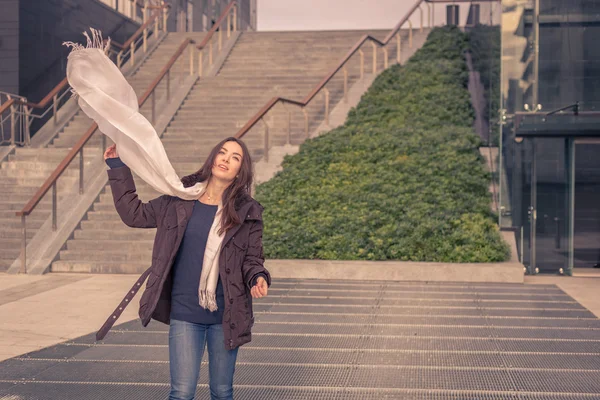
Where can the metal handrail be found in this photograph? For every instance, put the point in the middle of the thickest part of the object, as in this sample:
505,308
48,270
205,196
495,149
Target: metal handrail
51,182
259,116
226,14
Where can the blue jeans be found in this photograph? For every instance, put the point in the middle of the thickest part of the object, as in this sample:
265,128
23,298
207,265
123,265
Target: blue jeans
186,347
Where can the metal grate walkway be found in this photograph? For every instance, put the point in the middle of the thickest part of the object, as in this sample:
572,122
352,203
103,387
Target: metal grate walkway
317,339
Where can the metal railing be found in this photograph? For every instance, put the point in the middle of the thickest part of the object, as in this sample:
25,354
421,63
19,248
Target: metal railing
343,82
13,122
152,26
19,109
229,17
164,78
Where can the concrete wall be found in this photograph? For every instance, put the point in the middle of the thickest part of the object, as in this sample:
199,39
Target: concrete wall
45,24
9,46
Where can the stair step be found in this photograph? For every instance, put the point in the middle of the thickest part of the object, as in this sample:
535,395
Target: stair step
100,267
107,255
103,234
110,245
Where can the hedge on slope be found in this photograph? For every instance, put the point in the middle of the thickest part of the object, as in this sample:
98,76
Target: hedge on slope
402,179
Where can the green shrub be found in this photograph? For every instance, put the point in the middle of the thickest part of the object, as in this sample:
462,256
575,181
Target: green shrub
401,180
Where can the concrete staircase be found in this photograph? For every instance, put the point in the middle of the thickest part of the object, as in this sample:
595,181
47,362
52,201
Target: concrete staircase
27,169
260,66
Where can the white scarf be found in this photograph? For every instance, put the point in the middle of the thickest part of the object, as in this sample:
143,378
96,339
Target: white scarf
106,97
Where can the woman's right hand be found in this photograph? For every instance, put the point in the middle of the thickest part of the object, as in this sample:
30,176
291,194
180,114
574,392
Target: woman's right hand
111,152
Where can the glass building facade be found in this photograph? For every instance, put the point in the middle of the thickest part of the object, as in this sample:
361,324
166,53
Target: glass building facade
550,132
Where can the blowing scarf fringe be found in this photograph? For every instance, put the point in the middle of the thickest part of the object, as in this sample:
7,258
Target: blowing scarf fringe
105,96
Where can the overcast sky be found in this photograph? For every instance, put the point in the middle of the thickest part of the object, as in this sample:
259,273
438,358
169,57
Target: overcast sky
292,15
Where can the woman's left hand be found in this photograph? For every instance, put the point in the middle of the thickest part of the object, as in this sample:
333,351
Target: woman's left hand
260,289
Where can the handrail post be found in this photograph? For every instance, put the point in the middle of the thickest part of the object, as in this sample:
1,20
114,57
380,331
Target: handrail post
182,62
200,62
132,53
374,58
168,84
220,38
228,25
81,164
266,141
145,39
55,108
164,19
119,60
27,126
54,206
429,21
191,60
153,107
398,48
13,125
210,54
145,13
326,106
345,84
385,58
410,35
305,112
362,64
24,244
156,23
235,18
289,138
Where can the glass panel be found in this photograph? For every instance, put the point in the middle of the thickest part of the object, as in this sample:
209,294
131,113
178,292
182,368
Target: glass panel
552,201
516,82
586,239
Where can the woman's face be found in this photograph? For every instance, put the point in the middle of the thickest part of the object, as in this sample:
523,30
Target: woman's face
228,162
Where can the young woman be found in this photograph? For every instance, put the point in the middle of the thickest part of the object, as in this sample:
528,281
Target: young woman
205,306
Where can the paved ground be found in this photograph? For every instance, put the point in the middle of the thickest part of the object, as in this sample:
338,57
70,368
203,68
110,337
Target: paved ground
319,340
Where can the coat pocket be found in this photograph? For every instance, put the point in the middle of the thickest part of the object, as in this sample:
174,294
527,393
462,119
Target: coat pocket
242,314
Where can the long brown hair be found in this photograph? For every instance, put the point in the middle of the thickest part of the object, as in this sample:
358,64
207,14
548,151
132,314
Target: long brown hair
236,193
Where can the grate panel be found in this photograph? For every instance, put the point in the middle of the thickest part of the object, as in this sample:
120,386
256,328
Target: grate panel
296,356
558,381
428,359
553,361
539,313
94,371
549,333
62,391
416,343
322,309
292,375
307,318
547,346
328,301
145,337
60,351
17,369
297,341
125,353
450,331
446,379
354,329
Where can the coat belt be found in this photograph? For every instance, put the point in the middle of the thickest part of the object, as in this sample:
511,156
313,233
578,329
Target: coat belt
124,303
